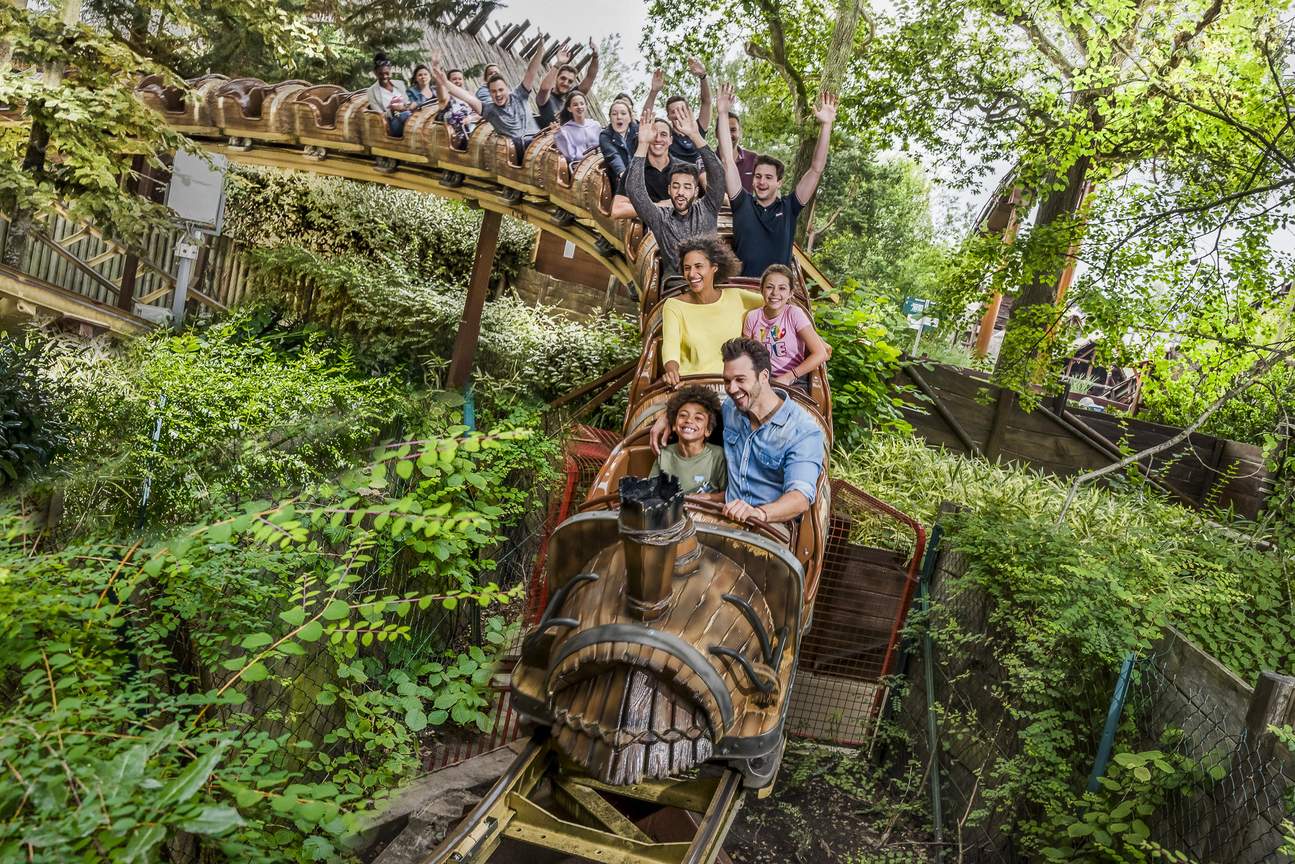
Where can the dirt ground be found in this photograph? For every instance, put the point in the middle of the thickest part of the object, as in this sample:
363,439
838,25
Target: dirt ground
830,805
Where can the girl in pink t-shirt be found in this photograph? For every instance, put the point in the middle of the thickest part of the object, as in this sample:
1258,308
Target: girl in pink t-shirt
795,348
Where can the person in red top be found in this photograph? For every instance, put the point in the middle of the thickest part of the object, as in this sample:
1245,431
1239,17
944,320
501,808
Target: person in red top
745,159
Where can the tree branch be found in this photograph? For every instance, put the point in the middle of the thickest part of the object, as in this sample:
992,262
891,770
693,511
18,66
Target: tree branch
1045,45
1242,383
776,54
1184,38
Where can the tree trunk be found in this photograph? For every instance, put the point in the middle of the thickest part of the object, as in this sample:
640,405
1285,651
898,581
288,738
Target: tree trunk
1032,314
839,51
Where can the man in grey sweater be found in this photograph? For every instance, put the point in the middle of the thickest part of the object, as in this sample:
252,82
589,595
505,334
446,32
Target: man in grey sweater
691,210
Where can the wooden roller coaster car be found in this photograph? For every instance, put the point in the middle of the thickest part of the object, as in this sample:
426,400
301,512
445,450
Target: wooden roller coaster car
671,635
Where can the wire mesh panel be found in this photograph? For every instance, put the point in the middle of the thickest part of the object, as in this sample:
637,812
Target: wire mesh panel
1243,786
863,596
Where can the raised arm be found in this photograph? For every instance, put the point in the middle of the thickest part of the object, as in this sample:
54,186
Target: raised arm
533,68
658,81
592,72
732,177
636,182
551,76
826,115
703,112
445,85
714,171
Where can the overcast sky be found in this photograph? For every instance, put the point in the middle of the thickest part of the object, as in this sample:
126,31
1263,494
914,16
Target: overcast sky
581,19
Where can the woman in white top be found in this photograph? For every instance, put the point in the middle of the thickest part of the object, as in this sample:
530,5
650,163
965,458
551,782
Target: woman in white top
387,96
579,133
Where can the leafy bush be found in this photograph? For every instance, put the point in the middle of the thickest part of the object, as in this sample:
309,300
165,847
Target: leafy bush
33,421
864,362
240,418
1064,602
432,237
397,318
242,679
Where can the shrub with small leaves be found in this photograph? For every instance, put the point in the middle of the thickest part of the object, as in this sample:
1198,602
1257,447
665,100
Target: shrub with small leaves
33,414
246,686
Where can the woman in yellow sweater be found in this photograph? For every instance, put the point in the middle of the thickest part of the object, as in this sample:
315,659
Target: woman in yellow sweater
695,324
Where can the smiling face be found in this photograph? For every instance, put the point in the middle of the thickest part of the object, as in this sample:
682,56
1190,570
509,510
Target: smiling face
578,107
777,292
693,423
683,191
619,116
566,80
742,384
499,92
660,142
765,183
383,74
698,271
735,131
491,71
457,79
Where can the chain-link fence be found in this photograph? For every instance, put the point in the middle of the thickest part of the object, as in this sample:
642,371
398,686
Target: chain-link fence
1243,788
1179,701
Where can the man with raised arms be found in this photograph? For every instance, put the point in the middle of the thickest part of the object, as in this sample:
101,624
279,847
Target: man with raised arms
691,213
508,111
560,81
764,222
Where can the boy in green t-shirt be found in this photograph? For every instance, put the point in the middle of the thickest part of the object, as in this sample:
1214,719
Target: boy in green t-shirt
699,466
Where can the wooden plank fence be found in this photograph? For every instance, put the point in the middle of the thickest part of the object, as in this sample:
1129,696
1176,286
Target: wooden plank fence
78,259
967,414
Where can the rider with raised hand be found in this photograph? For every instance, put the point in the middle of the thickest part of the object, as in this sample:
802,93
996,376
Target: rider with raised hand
560,80
764,222
691,213
508,111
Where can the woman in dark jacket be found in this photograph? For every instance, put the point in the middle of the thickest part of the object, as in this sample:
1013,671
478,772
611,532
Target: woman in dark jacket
618,140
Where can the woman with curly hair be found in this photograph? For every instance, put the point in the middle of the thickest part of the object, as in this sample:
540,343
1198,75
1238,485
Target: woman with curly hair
696,323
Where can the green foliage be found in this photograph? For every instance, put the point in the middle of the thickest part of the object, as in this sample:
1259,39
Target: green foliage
873,224
1060,605
240,684
79,132
864,362
1111,824
1156,561
430,237
33,411
240,418
398,319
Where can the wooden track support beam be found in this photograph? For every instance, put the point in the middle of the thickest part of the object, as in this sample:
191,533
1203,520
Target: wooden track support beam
465,344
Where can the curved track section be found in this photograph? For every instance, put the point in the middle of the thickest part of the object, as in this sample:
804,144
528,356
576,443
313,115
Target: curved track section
325,129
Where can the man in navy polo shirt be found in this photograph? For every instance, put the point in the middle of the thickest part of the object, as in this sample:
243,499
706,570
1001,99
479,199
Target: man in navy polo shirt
764,222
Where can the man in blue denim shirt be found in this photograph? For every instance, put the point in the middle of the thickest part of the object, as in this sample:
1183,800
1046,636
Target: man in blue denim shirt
774,449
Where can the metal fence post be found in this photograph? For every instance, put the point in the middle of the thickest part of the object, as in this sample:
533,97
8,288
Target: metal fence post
1113,713
928,673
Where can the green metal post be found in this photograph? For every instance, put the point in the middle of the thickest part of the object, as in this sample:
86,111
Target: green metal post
928,669
1113,713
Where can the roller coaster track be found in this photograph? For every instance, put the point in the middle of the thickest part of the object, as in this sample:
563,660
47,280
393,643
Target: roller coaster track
325,129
